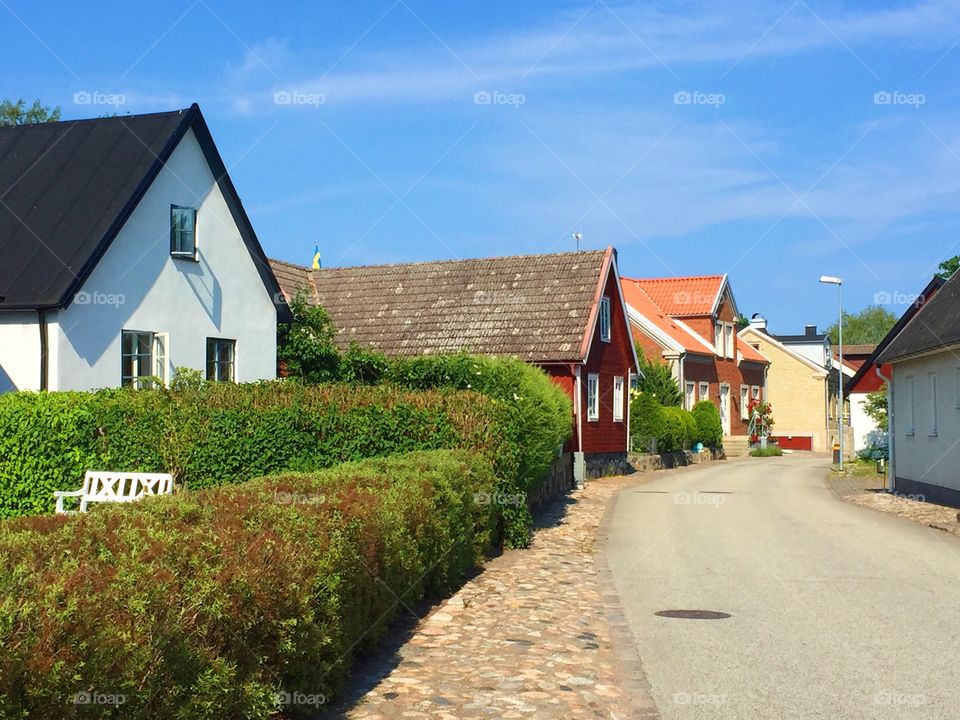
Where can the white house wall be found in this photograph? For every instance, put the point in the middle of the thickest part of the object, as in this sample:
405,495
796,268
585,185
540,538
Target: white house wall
921,457
19,351
864,428
137,285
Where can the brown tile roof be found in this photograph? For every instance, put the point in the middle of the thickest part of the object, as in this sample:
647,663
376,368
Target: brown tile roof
684,296
848,350
534,307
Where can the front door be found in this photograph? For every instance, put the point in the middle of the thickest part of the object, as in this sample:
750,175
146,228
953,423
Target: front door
725,409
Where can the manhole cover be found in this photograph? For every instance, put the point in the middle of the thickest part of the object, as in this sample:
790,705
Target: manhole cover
694,614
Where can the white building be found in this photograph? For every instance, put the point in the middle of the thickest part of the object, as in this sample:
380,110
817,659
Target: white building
125,252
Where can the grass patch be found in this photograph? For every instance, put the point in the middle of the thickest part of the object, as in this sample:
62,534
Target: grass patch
769,451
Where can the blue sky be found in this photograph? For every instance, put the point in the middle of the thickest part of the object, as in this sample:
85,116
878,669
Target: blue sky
775,142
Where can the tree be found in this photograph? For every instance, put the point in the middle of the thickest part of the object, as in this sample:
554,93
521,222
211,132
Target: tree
658,381
948,267
17,113
305,347
876,408
870,325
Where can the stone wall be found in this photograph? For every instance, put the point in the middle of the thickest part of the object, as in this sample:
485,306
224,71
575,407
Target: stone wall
604,464
558,482
645,462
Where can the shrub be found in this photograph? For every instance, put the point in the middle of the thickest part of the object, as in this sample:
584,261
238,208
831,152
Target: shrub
709,426
647,419
206,604
657,378
680,430
768,451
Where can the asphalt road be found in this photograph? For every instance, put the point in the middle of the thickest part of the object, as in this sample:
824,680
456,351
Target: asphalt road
836,611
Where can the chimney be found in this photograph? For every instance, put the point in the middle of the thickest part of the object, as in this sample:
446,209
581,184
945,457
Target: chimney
810,330
758,322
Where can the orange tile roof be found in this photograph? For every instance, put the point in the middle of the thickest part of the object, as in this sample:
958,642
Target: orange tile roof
748,352
683,296
640,301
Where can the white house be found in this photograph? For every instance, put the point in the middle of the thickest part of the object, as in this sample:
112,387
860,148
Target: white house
924,400
125,252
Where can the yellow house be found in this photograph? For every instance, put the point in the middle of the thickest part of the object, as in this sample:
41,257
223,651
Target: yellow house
801,393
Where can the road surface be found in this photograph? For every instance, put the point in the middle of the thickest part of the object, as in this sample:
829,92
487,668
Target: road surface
836,611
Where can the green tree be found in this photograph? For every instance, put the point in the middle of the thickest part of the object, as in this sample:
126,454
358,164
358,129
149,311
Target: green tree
658,381
948,267
876,408
305,346
870,325
17,113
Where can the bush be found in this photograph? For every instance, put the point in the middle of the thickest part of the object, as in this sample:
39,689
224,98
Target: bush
647,420
206,604
680,432
768,451
709,426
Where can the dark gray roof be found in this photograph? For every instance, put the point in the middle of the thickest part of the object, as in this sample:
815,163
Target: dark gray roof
534,307
798,339
935,325
66,189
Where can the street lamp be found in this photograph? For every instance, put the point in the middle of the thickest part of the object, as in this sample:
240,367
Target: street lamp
831,280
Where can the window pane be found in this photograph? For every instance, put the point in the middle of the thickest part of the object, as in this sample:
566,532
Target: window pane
182,224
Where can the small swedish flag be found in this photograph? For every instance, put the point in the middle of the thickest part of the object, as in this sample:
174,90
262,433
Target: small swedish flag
316,257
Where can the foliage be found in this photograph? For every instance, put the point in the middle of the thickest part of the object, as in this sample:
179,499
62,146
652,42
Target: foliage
761,419
948,267
647,419
869,326
768,451
681,430
876,408
657,379
226,602
709,425
17,113
305,347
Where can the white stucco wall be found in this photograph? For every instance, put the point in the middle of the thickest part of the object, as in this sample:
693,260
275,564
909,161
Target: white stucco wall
139,286
863,425
921,457
19,351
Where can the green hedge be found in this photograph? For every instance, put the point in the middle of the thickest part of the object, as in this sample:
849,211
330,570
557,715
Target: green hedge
208,604
709,425
674,428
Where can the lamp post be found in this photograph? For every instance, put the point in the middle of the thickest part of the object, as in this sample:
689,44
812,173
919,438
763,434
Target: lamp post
831,280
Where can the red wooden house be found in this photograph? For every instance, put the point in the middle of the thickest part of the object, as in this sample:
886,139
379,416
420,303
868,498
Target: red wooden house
563,312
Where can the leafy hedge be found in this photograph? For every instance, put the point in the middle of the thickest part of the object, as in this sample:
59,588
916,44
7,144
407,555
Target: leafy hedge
231,602
221,434
674,428
709,425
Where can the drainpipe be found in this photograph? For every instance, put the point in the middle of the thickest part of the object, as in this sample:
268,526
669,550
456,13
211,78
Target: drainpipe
891,471
44,357
579,462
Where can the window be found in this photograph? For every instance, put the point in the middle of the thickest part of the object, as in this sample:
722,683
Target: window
143,355
704,391
634,381
933,404
718,338
755,392
605,318
911,415
689,395
593,396
728,340
617,399
745,402
183,232
221,356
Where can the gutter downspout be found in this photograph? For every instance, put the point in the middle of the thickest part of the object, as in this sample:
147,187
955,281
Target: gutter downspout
44,356
891,469
579,467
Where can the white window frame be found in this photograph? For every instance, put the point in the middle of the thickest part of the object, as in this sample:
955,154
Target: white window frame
218,344
933,404
175,250
161,357
718,338
618,398
744,402
703,391
755,392
593,397
156,360
690,394
911,408
728,343
605,319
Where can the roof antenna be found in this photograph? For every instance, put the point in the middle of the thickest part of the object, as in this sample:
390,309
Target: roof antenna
578,236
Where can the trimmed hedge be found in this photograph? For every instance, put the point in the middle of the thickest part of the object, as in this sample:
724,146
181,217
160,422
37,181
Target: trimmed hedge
674,428
208,604
709,425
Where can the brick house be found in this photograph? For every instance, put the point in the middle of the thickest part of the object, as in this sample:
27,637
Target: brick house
690,323
563,312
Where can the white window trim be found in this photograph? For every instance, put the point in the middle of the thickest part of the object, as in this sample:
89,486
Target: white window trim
161,361
618,398
593,408
911,408
933,405
729,344
703,394
690,394
718,338
605,319
744,401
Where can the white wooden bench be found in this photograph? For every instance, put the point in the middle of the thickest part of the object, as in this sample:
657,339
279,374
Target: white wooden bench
116,487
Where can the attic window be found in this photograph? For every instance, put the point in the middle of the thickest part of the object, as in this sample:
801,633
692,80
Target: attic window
183,232
605,318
